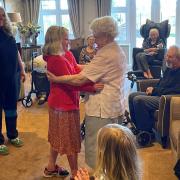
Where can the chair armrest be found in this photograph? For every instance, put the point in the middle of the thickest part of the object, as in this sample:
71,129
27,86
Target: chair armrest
175,116
143,84
178,146
175,108
161,53
163,122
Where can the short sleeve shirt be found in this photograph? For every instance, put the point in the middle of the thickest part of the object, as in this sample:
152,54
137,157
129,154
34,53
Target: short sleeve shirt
108,67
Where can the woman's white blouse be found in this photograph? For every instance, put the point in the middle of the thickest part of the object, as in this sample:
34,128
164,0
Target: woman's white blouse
108,67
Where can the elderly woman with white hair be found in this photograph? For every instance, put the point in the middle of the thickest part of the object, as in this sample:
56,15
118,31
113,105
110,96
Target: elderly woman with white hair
108,67
151,46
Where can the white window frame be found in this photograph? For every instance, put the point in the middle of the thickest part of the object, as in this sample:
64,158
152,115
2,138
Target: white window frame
126,11
58,12
131,20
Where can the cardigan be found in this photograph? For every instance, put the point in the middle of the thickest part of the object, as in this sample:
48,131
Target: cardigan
62,96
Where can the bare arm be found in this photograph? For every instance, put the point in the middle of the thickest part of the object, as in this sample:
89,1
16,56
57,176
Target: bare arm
76,79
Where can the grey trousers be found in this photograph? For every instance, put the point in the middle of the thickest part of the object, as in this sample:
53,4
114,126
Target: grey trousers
143,61
142,108
93,124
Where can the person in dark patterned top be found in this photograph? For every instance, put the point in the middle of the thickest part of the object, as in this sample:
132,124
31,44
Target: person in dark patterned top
151,47
88,52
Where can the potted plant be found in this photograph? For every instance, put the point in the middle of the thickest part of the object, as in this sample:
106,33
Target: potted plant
29,33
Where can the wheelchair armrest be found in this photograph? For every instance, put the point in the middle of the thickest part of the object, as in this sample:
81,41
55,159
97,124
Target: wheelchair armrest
143,84
161,53
163,121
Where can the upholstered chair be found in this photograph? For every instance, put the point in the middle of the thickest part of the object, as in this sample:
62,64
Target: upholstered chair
175,126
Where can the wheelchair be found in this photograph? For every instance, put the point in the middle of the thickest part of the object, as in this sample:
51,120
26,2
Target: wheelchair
157,64
143,138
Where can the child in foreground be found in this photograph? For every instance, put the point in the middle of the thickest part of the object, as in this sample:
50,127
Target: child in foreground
117,157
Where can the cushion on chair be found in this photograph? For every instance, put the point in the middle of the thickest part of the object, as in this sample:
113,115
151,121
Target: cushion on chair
162,27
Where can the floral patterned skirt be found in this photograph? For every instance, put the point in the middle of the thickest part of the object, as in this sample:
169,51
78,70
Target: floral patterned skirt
64,131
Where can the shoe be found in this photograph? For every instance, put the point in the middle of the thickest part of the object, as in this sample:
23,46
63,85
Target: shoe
4,150
59,172
42,99
16,142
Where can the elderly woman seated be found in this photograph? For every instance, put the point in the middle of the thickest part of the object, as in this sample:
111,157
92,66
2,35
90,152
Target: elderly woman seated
151,47
88,52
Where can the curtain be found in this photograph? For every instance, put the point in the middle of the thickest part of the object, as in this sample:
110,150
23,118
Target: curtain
178,22
155,10
76,8
31,11
104,7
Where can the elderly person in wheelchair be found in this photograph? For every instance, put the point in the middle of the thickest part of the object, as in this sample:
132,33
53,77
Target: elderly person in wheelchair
142,105
151,46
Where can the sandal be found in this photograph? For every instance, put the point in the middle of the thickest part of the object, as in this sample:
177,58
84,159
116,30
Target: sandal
59,172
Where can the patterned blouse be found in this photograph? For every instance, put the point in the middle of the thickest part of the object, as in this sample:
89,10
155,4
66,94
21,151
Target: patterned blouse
85,56
148,43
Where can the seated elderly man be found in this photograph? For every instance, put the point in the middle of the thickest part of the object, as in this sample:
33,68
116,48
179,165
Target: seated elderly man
151,46
143,105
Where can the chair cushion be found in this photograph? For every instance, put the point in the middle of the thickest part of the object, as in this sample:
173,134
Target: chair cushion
174,132
162,27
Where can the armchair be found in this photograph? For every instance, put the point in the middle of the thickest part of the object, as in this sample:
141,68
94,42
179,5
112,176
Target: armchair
175,126
162,115
76,47
156,65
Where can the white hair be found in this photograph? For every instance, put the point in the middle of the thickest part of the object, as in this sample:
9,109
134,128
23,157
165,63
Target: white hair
106,25
176,51
154,30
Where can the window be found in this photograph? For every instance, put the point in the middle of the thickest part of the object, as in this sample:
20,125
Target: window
119,12
168,11
53,12
1,3
143,12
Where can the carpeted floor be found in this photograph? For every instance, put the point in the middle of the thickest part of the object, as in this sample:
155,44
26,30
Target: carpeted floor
28,162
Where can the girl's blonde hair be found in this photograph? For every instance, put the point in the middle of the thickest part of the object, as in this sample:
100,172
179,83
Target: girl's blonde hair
117,157
53,40
7,28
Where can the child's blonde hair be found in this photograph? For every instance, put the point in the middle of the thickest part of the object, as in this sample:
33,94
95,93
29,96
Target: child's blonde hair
53,40
117,157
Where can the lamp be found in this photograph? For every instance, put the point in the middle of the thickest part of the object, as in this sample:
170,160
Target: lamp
14,17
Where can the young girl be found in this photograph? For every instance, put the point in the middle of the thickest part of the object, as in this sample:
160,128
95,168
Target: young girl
63,102
117,157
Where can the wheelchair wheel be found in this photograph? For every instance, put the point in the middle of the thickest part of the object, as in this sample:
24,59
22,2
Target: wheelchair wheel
144,138
27,101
